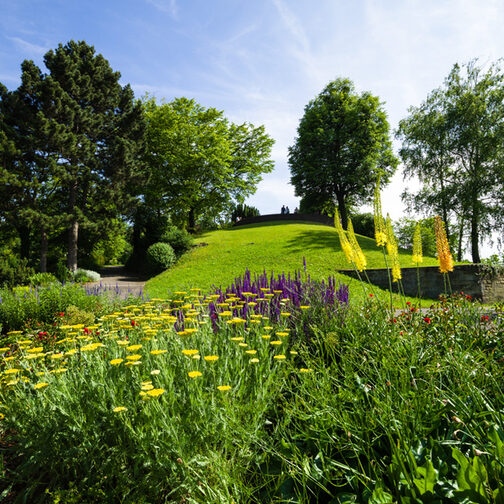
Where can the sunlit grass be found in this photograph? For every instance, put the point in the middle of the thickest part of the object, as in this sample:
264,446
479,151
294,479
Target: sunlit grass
276,247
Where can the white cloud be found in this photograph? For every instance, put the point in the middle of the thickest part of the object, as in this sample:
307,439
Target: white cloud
168,6
28,48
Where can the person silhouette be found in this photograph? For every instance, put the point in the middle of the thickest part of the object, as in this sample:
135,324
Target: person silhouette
287,211
283,210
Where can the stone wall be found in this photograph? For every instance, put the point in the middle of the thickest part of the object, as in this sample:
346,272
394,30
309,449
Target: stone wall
319,219
472,279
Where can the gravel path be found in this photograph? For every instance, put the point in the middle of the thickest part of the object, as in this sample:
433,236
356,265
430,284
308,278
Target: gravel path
116,281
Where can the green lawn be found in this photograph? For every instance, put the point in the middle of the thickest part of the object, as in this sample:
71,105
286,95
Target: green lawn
274,246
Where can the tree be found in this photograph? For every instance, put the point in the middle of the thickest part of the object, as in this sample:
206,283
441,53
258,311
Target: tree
342,144
201,164
89,138
454,142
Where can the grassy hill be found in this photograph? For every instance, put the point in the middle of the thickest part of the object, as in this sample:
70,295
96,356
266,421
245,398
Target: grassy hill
220,256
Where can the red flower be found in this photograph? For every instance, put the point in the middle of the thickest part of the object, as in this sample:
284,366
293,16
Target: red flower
370,295
408,303
61,314
427,320
133,323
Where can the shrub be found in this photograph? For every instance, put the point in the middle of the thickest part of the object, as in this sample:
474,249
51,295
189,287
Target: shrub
363,224
14,270
180,240
84,275
74,315
160,257
43,280
42,304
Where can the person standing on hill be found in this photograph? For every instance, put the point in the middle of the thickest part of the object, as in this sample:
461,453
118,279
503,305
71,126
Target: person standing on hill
283,210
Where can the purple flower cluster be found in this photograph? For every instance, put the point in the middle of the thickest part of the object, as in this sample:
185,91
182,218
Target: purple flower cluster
270,296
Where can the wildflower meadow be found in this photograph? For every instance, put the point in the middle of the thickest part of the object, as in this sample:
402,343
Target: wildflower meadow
275,388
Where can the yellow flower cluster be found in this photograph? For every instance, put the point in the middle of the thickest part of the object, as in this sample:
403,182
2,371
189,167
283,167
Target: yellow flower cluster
350,245
392,250
417,246
379,224
443,249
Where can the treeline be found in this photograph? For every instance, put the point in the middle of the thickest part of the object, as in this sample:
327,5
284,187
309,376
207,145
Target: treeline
453,142
87,171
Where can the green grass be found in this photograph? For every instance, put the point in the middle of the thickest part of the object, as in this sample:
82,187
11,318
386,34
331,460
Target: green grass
275,246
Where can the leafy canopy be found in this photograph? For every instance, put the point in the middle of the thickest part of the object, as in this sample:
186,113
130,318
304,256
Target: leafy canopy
342,143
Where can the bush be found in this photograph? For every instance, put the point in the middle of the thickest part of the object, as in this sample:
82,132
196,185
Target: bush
160,257
43,280
14,270
84,275
180,240
363,224
42,304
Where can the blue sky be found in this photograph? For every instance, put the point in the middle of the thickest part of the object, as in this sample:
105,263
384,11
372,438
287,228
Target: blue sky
261,61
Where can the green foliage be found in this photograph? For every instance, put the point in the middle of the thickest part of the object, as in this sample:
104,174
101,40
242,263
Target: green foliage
363,224
179,240
77,136
342,144
73,315
43,280
405,229
362,408
440,138
242,211
14,270
41,305
160,257
200,163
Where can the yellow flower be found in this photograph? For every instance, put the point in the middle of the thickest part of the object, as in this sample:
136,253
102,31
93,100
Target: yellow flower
155,372
276,342
358,256
57,356
254,361
90,348
40,385
123,342
443,248
58,371
282,334
251,352
4,349
305,370
147,386
417,245
118,409
224,388
12,371
265,336
194,374
345,245
134,357
237,338
379,225
392,251
190,352
279,357
133,363
158,352
116,362
134,348
211,358
35,350
244,345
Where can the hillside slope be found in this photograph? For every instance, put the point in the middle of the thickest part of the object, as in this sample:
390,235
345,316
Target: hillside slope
222,255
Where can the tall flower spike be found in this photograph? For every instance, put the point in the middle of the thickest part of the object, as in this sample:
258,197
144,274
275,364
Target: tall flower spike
417,245
379,225
389,233
345,245
358,255
443,248
392,250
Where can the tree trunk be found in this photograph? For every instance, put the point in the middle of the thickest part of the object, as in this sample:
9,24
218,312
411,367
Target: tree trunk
474,236
460,237
24,236
73,232
192,221
342,210
43,250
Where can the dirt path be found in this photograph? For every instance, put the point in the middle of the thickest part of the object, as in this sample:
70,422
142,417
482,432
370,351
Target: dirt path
115,281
